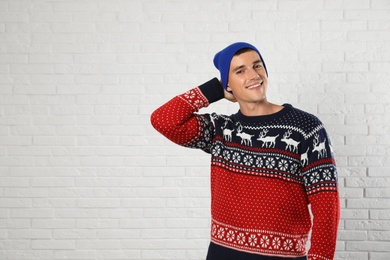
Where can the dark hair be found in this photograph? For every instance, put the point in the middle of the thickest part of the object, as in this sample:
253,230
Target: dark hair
243,50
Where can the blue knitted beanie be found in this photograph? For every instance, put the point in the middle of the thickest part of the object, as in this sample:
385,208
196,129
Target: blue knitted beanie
223,58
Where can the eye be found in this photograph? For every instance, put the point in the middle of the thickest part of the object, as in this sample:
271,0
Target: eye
239,72
258,66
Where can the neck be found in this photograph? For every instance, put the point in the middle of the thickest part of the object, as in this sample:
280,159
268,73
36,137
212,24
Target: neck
259,108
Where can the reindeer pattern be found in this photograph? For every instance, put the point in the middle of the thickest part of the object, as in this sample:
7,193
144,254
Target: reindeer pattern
318,147
294,147
291,144
264,139
268,141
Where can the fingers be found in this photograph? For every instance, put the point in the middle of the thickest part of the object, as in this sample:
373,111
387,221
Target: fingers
229,96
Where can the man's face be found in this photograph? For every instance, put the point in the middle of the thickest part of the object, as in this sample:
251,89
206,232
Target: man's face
247,78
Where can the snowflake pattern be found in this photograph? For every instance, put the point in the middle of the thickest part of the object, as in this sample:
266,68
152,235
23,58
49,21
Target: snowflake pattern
221,233
216,150
327,175
288,245
198,103
264,241
276,243
226,155
294,167
236,157
270,163
318,178
230,236
248,160
283,165
241,238
190,94
252,240
259,162
258,240
315,177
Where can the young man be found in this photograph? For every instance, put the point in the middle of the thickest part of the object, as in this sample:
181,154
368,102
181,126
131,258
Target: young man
268,164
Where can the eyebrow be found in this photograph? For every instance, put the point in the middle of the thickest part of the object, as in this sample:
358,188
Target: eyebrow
242,66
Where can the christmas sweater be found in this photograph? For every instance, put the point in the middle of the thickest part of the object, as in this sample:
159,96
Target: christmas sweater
266,172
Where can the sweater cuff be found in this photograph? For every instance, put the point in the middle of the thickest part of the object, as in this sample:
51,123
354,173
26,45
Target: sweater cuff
212,90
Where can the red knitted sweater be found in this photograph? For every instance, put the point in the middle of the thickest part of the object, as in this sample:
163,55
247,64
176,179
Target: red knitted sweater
265,173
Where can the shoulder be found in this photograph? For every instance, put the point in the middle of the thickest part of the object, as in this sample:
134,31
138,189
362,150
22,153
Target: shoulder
304,115
307,123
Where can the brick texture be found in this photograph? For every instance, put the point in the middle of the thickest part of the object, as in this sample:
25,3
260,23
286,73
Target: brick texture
85,176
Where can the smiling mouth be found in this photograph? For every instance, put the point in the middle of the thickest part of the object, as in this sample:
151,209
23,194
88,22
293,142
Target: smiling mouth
253,86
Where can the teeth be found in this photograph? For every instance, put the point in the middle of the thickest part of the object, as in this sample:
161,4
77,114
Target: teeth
254,86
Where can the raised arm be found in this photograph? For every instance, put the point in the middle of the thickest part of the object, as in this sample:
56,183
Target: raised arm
178,119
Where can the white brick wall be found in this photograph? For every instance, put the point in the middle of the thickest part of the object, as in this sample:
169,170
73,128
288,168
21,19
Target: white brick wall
84,175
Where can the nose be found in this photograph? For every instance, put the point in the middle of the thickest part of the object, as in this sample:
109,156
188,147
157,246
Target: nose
252,74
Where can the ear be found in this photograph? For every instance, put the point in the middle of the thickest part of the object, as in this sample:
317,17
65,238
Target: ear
228,88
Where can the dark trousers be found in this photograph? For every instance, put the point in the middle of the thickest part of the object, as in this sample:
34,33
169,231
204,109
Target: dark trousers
217,252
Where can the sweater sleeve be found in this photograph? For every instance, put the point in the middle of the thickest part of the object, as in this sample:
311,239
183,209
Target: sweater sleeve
320,177
178,120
